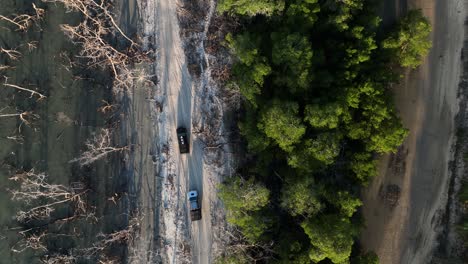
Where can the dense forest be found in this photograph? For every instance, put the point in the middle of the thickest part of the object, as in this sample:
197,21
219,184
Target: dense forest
318,112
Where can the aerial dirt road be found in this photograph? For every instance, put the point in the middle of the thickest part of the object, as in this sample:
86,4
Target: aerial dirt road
427,102
176,84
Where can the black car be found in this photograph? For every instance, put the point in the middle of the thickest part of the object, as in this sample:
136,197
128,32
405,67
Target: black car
183,140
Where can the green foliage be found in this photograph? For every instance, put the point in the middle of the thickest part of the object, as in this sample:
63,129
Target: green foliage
326,147
369,258
316,86
462,228
243,195
244,201
303,159
280,122
292,253
233,258
257,141
343,11
410,42
463,193
324,115
299,197
252,68
303,12
346,203
292,53
331,236
361,50
364,167
293,247
389,137
253,225
251,8
378,125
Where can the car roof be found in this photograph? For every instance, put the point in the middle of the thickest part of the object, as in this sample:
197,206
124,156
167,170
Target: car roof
192,194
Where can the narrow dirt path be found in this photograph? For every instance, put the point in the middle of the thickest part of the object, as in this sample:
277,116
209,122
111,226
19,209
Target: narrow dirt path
427,101
176,83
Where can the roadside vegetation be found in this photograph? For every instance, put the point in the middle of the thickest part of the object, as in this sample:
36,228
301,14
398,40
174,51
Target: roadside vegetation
318,111
462,226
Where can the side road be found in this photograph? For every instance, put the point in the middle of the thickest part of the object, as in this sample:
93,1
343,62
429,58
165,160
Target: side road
427,102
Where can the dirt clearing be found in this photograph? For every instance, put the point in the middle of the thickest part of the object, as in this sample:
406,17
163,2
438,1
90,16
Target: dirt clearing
427,100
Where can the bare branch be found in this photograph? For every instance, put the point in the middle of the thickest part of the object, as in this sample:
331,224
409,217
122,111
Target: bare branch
32,241
24,21
98,147
11,53
5,67
35,188
93,34
58,259
33,93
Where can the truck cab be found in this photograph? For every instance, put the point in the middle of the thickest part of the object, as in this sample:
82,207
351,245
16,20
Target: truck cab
195,210
183,140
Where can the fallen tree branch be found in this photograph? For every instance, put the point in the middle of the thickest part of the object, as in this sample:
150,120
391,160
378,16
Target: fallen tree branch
33,93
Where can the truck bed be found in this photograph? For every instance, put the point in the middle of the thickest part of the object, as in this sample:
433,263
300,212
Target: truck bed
195,214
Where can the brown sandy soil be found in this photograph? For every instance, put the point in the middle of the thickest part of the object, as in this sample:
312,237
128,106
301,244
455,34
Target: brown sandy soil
427,101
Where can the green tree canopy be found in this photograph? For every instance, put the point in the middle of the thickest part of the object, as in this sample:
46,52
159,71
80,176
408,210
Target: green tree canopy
377,125
317,152
324,115
257,141
300,197
251,8
410,42
292,252
244,195
364,167
252,68
342,11
233,258
303,12
346,203
325,147
331,236
362,46
368,258
292,53
244,201
280,122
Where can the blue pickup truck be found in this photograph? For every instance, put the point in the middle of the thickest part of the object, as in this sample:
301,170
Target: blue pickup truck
195,210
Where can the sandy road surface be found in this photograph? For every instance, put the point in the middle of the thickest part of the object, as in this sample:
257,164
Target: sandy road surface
176,83
427,101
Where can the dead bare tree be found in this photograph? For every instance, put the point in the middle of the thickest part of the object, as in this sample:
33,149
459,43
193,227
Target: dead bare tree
239,247
93,35
13,54
24,116
58,259
5,67
98,147
105,241
107,107
32,45
34,188
23,21
30,241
